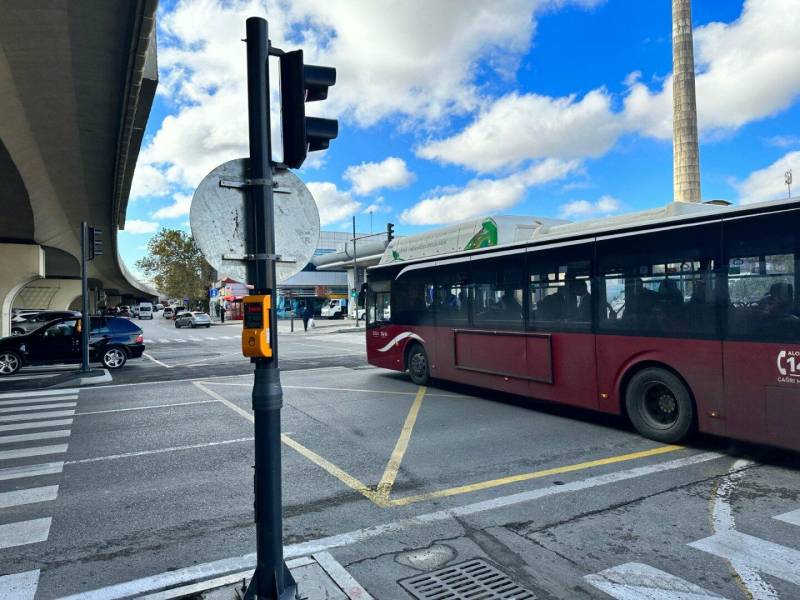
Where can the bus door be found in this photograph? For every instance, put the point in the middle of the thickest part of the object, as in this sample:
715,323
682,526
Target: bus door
762,345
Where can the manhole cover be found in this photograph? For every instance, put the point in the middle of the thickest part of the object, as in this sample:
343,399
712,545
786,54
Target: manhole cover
471,580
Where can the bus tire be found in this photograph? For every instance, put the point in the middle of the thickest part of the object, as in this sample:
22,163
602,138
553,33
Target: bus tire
417,365
659,405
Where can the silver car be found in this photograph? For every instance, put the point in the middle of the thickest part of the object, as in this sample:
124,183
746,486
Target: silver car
29,322
192,319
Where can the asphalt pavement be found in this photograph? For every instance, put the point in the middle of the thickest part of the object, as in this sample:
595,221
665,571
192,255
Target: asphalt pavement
119,490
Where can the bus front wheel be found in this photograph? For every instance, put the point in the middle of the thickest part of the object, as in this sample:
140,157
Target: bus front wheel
418,366
659,405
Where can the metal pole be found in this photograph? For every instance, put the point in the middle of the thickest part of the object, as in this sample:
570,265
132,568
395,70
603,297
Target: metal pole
84,297
354,300
272,579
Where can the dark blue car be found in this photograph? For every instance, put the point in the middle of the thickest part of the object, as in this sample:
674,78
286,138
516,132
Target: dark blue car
112,341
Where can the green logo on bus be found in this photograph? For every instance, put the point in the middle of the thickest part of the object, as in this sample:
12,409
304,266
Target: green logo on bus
486,237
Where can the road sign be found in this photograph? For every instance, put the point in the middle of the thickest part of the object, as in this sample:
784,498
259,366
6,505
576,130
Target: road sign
213,292
217,218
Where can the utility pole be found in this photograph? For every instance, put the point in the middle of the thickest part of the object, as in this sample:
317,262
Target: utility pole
354,295
84,297
788,180
272,579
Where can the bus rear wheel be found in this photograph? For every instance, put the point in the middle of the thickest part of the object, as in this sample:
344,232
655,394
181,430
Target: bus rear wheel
418,366
659,405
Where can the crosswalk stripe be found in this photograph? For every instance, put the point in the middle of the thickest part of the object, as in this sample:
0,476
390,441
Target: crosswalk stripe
210,337
24,532
39,415
28,496
30,437
34,451
31,470
37,399
163,341
28,394
36,425
637,581
19,586
33,407
790,517
179,341
752,553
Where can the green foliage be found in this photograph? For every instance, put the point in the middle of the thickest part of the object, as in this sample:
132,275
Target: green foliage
176,266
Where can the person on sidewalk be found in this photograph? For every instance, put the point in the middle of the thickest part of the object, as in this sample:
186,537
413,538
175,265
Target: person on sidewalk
305,314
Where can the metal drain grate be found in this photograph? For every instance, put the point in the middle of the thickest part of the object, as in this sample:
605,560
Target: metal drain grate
471,580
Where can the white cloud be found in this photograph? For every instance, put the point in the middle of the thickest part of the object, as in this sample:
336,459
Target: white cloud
583,208
377,206
783,141
138,226
368,177
747,70
518,127
769,183
333,204
148,181
485,196
179,207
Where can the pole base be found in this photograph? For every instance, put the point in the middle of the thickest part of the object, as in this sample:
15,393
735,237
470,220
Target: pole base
269,590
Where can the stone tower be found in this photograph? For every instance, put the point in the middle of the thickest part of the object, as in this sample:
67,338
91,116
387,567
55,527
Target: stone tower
685,152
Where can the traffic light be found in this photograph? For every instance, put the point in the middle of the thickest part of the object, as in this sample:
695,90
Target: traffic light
95,242
390,231
300,84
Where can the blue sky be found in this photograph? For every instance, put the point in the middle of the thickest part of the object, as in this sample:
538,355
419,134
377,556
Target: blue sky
454,109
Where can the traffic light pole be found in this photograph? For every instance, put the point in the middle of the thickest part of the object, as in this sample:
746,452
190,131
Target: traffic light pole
272,579
84,297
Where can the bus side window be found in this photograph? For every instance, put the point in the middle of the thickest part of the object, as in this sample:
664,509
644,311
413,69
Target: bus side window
560,290
762,277
413,296
498,293
452,283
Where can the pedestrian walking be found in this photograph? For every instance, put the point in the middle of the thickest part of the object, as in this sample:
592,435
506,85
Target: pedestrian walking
222,313
305,314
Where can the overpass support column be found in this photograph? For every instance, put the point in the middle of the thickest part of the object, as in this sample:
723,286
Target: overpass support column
19,264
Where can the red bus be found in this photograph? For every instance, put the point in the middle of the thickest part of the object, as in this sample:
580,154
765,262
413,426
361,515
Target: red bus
680,323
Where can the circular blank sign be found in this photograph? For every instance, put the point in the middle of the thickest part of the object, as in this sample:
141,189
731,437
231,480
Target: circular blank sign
217,218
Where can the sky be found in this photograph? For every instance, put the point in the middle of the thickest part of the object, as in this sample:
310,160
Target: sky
454,109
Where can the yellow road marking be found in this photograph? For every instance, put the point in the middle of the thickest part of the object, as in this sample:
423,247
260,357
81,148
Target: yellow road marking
328,466
393,466
474,487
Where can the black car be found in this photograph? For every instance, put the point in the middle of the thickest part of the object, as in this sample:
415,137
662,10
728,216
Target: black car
112,341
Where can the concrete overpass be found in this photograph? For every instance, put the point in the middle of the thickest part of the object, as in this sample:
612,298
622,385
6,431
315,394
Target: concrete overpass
77,81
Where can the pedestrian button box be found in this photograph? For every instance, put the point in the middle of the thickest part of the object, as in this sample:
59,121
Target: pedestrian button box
255,332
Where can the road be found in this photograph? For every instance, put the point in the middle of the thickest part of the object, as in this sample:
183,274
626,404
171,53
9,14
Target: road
118,489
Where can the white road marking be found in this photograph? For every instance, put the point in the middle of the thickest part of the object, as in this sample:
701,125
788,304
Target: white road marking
34,451
11,409
30,437
239,563
40,415
155,360
723,523
28,496
637,581
37,399
754,555
36,425
31,470
22,533
164,341
115,410
28,394
179,341
19,586
790,517
210,337
157,451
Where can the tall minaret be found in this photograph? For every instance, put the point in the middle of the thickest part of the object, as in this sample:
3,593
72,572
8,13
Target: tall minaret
685,153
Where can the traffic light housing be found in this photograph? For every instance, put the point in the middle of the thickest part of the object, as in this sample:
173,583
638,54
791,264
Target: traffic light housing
95,242
390,231
255,329
302,83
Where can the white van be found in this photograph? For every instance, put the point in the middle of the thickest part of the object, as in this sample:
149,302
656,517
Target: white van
334,309
145,310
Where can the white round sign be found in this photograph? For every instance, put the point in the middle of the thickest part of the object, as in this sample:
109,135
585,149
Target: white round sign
217,218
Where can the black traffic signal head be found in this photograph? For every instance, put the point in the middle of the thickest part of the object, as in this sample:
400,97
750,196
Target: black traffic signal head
95,242
390,231
300,84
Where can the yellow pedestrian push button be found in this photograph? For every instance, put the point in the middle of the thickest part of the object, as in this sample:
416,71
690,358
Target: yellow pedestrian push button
255,333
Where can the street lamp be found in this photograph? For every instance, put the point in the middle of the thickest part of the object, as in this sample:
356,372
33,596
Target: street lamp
788,180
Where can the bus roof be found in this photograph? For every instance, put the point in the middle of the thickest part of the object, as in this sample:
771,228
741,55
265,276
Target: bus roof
553,232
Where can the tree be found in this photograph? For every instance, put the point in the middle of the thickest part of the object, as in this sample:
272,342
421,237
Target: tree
176,266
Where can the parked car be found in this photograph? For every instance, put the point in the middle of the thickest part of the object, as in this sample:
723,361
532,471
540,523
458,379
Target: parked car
145,310
192,319
178,310
110,311
334,309
36,320
112,341
169,312
135,311
159,307
124,311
